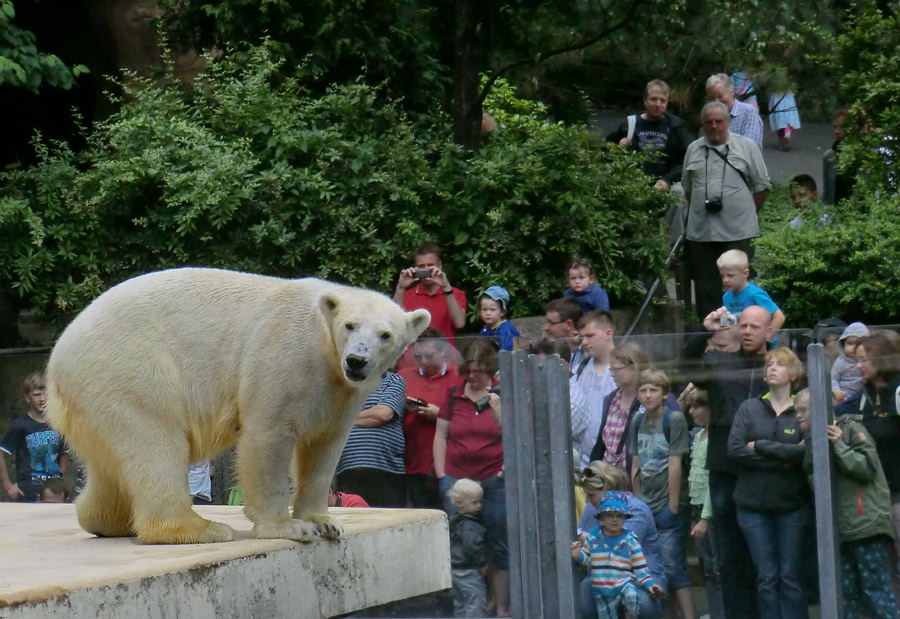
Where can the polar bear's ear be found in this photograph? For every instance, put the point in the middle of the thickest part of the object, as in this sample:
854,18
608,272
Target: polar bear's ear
328,304
419,320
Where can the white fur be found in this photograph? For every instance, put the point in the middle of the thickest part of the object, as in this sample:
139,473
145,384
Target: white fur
173,367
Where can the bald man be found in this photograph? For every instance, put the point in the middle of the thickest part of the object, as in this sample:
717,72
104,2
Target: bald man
730,378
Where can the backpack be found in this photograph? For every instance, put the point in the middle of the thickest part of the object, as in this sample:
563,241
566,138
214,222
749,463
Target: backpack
632,121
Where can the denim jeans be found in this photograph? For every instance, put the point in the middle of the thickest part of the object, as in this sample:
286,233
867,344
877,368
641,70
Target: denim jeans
673,531
776,541
732,555
711,577
648,608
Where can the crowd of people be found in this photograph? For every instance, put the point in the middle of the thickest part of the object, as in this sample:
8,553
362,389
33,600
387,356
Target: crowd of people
724,466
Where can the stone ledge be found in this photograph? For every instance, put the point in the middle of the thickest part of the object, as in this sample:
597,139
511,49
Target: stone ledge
52,568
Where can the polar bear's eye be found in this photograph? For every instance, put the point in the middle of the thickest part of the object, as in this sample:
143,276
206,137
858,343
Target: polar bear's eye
350,326
385,335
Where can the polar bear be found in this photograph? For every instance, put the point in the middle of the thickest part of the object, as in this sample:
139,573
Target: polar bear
172,367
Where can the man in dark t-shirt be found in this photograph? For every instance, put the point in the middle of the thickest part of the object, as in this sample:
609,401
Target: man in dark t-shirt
34,445
659,131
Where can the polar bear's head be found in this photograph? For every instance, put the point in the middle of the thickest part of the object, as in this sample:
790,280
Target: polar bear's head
369,330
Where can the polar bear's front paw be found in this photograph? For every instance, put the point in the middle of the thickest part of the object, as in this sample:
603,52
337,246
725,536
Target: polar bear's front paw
216,532
298,530
329,527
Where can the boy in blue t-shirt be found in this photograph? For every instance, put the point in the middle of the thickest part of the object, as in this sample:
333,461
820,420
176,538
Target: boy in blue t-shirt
492,305
734,267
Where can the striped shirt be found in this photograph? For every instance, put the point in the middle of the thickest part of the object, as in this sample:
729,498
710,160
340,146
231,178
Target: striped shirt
615,562
380,447
581,413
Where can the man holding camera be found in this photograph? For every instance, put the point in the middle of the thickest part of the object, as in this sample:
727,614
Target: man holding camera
729,379
425,286
725,182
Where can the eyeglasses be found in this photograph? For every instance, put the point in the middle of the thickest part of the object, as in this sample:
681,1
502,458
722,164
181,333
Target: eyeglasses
421,356
613,369
477,371
553,322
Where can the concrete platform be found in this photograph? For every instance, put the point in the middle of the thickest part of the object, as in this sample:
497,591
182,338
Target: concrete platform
50,568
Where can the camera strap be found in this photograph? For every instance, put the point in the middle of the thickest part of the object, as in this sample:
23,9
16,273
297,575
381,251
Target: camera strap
728,163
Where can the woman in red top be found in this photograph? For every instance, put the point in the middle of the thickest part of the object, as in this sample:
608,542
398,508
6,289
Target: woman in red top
468,444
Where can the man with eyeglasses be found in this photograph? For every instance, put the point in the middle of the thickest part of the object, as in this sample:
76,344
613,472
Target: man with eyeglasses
562,316
725,183
427,387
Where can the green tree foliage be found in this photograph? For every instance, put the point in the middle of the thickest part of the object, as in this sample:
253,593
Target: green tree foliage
685,41
851,267
246,169
337,40
21,64
567,54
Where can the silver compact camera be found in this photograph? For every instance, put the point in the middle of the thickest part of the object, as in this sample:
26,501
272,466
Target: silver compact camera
728,320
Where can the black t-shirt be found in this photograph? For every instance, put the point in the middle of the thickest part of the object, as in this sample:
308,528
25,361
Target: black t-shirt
36,448
652,135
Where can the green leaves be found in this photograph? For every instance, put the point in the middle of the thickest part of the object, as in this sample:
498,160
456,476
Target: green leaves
243,169
21,64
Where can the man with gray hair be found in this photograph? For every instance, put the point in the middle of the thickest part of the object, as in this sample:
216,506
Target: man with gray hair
725,183
745,119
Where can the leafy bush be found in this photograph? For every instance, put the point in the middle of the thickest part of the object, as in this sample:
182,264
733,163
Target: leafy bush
244,169
850,267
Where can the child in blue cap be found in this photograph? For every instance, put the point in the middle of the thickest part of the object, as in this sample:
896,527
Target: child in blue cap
492,305
615,558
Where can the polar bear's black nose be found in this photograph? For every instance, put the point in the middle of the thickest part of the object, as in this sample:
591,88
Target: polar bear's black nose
356,363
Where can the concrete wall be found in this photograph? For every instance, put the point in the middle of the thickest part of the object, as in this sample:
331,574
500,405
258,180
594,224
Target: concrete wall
62,572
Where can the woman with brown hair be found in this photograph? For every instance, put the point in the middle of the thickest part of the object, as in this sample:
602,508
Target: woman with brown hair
878,360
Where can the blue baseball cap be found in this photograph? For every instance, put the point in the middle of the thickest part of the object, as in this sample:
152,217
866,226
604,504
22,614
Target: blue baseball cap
498,293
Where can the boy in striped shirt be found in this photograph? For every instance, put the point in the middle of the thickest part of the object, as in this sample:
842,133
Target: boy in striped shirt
615,559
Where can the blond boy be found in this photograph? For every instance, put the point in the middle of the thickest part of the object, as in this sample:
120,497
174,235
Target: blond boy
659,443
734,267
467,550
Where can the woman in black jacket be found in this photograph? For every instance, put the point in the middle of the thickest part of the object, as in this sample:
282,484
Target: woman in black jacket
878,360
772,496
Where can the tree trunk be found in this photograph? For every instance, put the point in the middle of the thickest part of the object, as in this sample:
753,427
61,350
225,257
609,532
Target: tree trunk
467,65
